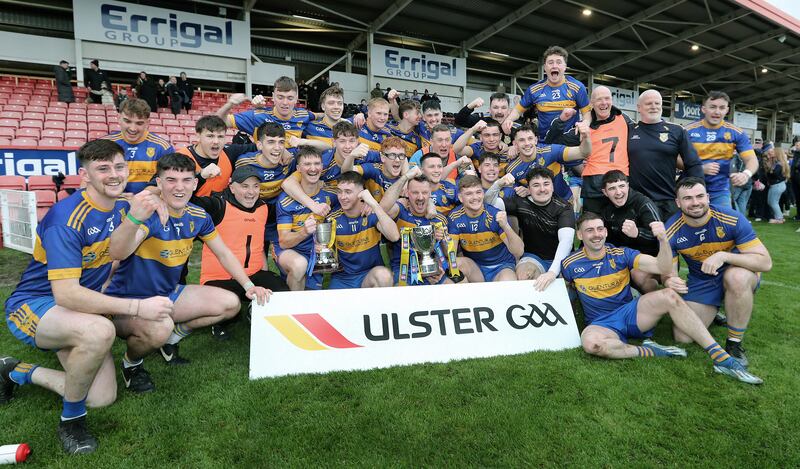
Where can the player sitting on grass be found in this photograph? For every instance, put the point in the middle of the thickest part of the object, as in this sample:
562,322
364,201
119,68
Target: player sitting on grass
601,275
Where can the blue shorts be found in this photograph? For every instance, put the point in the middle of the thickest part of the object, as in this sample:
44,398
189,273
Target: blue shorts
173,297
341,280
709,291
720,199
542,264
23,318
623,322
490,271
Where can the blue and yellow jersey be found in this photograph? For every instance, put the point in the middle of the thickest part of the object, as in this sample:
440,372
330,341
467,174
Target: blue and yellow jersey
372,138
411,139
603,284
406,219
249,121
717,145
478,150
551,100
376,182
319,130
141,157
291,215
481,238
358,242
724,230
553,157
71,242
154,268
425,134
271,178
445,197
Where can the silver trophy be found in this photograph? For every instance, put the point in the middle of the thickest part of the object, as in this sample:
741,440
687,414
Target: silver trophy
326,258
423,242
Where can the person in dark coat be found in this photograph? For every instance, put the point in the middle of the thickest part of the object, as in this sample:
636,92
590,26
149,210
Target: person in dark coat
63,83
147,90
94,81
187,93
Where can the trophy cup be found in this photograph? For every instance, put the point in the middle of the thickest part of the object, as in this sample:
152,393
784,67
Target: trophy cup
326,258
424,242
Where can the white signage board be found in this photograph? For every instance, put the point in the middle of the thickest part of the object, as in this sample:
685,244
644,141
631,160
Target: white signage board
624,99
18,209
745,120
418,66
110,21
359,329
795,128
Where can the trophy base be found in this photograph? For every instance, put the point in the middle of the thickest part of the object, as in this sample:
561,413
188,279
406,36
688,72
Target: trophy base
429,272
326,268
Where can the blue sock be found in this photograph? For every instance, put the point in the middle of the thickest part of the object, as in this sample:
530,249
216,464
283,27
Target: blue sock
21,374
73,410
648,351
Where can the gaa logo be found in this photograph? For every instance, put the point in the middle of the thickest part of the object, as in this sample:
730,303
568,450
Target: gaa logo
520,317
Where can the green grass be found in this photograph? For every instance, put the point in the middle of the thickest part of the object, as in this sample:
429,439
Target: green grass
540,409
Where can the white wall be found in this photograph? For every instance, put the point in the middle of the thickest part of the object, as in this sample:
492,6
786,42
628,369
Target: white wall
36,49
263,73
353,84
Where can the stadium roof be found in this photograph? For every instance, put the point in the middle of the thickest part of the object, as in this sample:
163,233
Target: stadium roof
746,47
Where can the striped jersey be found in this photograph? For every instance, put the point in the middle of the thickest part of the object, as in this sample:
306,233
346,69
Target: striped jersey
358,241
406,219
142,157
249,121
717,145
271,178
551,100
291,215
481,237
372,138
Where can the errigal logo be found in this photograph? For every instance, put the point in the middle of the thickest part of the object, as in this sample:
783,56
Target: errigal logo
169,32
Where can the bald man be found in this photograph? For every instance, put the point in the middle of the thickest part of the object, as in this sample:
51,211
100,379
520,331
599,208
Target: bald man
653,150
609,134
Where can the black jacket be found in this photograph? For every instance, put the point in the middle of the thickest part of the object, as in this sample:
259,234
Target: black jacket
642,211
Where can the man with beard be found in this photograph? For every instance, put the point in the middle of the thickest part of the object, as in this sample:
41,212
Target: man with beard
653,149
499,105
601,276
379,177
491,141
725,259
441,139
609,134
556,92
297,224
358,236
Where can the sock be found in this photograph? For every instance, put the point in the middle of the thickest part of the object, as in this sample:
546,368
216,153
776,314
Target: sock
735,334
718,354
646,351
178,332
128,363
73,410
21,374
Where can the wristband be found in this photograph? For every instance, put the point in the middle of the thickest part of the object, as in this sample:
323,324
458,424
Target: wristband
133,219
748,173
248,285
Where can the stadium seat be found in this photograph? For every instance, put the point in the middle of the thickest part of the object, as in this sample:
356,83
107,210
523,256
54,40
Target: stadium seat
71,181
75,134
98,126
27,132
61,195
172,129
51,110
31,123
38,116
156,121
76,118
40,109
94,106
58,104
157,129
113,127
76,126
74,143
5,142
77,105
8,132
41,183
96,118
24,142
53,133
96,112
178,139
55,125
44,200
97,134
11,114
16,183
51,143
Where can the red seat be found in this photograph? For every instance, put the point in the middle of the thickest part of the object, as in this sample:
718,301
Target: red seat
41,109
5,142
78,134
11,114
96,112
16,183
62,194
27,132
94,106
56,125
51,143
97,134
23,142
96,118
8,132
58,104
53,133
76,126
77,105
172,129
98,126
56,110
113,127
178,138
155,121
30,123
41,183
76,118
74,143
71,181
37,116
172,122
44,200
157,129
12,123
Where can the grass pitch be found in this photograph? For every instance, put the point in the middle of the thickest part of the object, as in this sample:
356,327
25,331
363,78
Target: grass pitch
541,409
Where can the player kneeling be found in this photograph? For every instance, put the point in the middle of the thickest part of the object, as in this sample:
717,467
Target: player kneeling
358,237
601,274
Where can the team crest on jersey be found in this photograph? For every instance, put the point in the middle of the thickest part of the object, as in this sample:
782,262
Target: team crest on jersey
151,152
663,137
191,226
541,161
613,264
720,232
727,136
364,221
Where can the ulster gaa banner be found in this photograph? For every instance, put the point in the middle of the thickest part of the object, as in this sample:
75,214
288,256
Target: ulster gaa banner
358,329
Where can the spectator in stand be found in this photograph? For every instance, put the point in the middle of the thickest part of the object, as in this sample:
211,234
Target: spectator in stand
106,95
425,97
376,92
63,83
794,175
174,93
187,93
147,90
362,108
778,172
163,98
122,97
94,80
435,97
740,194
758,206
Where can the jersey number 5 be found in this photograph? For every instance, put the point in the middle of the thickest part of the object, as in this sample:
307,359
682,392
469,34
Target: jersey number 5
614,141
